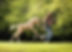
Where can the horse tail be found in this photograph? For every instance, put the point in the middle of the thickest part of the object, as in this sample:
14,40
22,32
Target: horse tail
12,27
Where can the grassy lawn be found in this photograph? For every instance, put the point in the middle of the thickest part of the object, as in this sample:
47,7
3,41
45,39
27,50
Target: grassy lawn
35,47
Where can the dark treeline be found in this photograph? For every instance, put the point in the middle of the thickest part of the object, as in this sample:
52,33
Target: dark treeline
13,13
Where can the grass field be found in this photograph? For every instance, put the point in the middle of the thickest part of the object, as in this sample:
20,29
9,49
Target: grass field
35,47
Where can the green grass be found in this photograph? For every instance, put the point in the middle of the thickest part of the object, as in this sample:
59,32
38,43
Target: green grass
35,47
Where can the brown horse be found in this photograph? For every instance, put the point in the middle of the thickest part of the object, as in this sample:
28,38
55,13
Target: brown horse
30,25
27,25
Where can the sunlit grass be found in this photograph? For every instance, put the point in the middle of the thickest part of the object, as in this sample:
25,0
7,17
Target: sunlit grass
35,47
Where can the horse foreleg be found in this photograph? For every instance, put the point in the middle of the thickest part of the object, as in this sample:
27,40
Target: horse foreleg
36,35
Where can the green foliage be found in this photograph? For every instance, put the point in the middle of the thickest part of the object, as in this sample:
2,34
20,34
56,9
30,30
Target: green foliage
48,1
23,10
3,11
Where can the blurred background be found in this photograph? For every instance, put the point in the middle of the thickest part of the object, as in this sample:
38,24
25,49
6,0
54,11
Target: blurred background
16,11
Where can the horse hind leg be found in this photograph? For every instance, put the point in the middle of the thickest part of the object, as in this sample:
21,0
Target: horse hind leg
16,35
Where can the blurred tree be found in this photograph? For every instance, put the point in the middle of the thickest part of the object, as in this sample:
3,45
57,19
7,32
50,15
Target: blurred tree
3,11
15,11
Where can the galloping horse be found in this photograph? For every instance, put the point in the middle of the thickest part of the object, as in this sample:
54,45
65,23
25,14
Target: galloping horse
27,25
